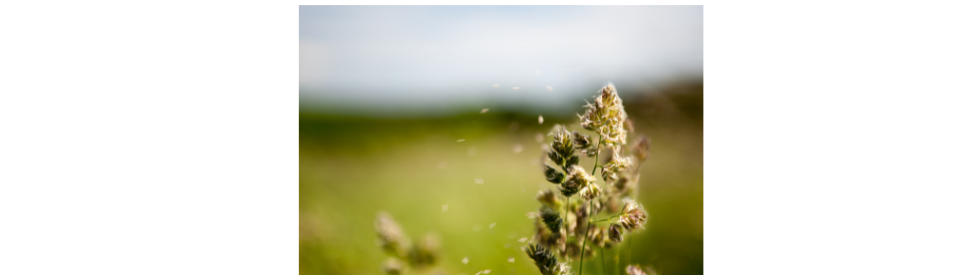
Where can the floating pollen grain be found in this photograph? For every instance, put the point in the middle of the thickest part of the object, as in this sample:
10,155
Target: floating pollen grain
466,260
460,140
510,260
495,85
540,119
522,240
493,225
517,88
484,110
478,181
549,88
445,207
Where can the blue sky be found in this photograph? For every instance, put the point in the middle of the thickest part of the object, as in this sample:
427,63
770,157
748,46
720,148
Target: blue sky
438,56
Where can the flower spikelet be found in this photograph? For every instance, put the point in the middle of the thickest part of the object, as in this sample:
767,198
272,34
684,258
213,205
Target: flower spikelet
563,143
634,270
544,260
552,219
606,117
610,171
548,197
633,216
390,233
425,251
591,191
577,179
616,233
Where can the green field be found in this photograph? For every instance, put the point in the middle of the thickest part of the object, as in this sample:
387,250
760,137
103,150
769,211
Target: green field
352,168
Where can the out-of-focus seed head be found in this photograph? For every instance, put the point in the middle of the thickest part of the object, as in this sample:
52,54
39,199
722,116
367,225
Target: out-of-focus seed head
611,170
545,237
563,143
634,270
569,162
633,216
552,219
392,266
599,236
544,260
577,179
556,158
582,141
616,233
553,175
564,268
591,191
390,235
548,197
641,148
426,251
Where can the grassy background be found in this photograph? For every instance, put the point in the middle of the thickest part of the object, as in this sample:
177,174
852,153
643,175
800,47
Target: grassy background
352,168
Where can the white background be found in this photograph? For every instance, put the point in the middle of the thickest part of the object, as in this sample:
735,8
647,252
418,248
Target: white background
159,140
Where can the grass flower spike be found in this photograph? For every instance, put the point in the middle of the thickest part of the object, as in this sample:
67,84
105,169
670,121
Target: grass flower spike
606,117
634,270
567,236
418,255
391,238
545,260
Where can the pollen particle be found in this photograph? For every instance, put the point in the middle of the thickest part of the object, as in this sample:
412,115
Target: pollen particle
445,207
522,240
549,88
510,260
540,119
466,260
517,88
460,140
478,181
493,225
484,110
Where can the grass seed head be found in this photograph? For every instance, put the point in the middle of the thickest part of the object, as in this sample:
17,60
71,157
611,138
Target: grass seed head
552,219
616,233
390,234
606,117
634,270
577,179
425,252
544,259
553,175
392,266
611,170
633,216
548,197
563,143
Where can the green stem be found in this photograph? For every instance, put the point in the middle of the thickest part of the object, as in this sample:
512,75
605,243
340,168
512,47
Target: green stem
597,151
567,206
606,219
629,250
616,261
602,253
581,258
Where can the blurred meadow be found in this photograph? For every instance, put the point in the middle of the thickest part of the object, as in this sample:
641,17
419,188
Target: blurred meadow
426,153
353,167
